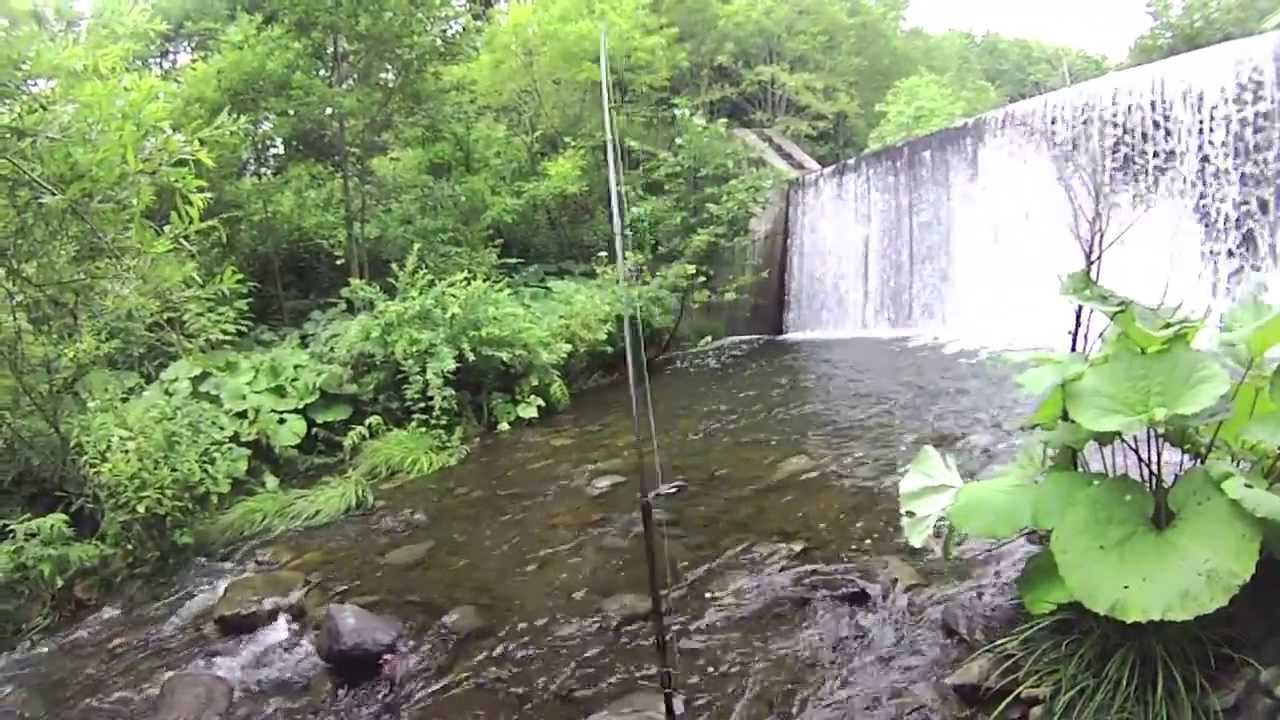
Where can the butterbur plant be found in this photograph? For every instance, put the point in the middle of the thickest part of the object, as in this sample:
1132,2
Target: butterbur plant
1150,463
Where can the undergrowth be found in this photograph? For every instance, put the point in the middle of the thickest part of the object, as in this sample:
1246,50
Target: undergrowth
408,453
274,512
1093,668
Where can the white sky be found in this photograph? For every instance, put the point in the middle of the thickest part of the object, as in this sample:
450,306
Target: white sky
1108,27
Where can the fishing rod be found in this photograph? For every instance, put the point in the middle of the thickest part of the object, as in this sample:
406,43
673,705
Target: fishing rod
637,374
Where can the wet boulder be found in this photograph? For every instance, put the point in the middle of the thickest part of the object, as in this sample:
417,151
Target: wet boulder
254,601
354,639
194,696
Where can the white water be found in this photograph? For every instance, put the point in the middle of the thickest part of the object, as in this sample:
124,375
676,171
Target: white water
965,234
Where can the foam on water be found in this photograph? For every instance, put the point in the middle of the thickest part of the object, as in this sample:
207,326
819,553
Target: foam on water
966,234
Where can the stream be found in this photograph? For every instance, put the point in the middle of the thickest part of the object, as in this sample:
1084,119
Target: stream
783,604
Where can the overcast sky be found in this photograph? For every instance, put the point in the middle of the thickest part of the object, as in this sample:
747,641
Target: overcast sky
1102,26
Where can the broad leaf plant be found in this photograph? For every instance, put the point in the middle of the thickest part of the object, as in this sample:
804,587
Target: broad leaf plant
1150,463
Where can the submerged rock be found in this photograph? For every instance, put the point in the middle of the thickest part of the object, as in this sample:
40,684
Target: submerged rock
627,608
792,466
604,484
193,696
464,621
409,554
254,601
352,637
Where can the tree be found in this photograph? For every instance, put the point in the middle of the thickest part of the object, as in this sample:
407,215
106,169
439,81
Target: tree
1193,24
925,102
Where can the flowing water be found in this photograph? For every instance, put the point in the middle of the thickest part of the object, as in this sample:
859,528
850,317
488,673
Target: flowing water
778,603
967,232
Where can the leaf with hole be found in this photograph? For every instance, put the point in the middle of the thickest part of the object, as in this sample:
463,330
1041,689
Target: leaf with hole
925,493
1117,563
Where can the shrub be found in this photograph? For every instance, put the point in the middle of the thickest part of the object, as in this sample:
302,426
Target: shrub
1177,532
42,553
155,463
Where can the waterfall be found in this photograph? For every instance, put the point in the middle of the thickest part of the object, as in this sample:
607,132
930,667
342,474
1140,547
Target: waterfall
968,231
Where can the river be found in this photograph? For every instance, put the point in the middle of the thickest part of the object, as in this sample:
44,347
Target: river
781,605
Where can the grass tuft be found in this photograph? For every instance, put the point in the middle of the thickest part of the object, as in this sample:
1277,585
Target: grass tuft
1094,668
409,453
275,512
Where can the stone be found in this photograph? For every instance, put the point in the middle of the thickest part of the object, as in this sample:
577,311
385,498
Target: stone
964,620
604,484
627,608
1269,682
1234,689
614,541
792,466
253,601
1257,706
639,705
1039,712
900,573
464,621
23,704
308,562
194,696
970,681
409,554
352,637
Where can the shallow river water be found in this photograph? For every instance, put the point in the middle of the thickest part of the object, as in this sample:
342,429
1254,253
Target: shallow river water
780,605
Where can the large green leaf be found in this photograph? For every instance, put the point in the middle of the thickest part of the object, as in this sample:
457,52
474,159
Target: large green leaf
1254,496
1263,429
1067,434
1000,506
925,493
1130,391
1117,563
285,430
1150,330
1041,586
1060,490
329,409
1253,325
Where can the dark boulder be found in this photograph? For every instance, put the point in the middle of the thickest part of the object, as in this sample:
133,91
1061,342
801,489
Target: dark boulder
352,639
194,696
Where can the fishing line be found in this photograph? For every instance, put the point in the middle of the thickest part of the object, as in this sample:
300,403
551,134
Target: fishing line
630,345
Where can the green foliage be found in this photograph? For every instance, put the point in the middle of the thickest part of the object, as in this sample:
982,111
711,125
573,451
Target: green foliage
1092,668
1179,27
153,464
268,395
1179,538
272,512
921,104
41,553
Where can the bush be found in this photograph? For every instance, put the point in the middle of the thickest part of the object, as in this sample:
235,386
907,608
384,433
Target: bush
40,554
155,463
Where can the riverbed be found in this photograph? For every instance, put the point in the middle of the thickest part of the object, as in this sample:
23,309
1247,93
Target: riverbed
780,556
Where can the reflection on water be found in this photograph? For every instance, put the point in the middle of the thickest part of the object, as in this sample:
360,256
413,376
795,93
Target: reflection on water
790,451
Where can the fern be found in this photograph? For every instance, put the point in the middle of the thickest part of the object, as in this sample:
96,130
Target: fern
410,452
274,512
